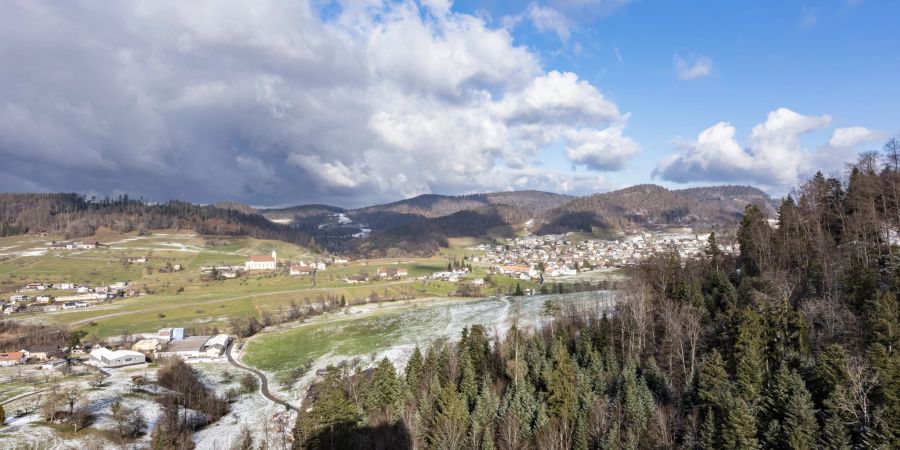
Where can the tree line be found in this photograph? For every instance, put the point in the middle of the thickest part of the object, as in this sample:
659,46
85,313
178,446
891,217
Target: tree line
74,215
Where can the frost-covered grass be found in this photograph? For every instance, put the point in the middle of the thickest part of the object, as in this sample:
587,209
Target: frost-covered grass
394,332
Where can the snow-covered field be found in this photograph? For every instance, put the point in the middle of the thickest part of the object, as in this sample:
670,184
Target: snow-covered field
364,335
267,421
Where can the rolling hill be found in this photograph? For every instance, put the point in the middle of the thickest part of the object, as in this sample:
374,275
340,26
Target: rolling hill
649,205
417,225
73,215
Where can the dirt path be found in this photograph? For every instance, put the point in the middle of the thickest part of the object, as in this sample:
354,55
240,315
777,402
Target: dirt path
264,382
25,395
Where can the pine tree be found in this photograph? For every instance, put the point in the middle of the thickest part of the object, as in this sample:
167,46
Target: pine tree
384,396
561,383
752,238
518,292
484,414
332,418
713,252
414,370
800,418
749,357
467,383
2,416
883,320
713,381
638,405
708,438
739,427
789,413
835,434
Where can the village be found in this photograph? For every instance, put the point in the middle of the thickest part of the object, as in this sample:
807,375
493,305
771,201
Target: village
535,257
52,297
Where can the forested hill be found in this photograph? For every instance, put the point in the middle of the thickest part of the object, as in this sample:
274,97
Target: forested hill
73,215
652,205
430,206
299,212
794,343
731,199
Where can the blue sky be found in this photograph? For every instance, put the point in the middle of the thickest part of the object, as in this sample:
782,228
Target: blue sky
352,102
830,57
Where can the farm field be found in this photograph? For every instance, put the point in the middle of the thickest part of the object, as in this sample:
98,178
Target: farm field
373,333
183,298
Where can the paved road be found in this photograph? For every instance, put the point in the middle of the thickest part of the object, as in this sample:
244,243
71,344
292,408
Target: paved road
264,382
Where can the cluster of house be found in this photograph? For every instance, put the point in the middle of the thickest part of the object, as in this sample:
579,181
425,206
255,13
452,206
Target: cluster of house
383,273
223,271
45,356
46,297
450,275
267,263
73,245
555,256
174,342
307,268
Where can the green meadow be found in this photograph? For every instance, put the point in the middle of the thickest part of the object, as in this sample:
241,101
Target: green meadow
183,298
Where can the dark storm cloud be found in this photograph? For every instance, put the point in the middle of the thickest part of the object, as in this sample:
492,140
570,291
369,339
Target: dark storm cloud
265,103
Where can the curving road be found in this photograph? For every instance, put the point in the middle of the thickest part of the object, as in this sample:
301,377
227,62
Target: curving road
264,382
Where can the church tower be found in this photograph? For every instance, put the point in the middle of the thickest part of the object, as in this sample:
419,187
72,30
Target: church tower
274,254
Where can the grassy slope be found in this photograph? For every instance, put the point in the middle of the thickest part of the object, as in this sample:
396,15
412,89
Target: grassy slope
182,299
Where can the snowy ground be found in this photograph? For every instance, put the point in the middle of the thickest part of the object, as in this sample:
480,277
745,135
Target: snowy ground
30,432
405,328
265,419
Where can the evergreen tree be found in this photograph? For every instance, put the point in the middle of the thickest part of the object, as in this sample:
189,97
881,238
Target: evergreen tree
749,357
518,292
789,413
752,238
414,369
713,381
561,383
835,435
638,405
468,386
332,419
384,395
739,426
2,416
713,252
709,439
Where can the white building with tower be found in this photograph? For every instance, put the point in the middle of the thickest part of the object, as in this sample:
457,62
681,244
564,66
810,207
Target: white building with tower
262,262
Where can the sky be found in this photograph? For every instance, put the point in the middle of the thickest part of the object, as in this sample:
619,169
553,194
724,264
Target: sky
358,102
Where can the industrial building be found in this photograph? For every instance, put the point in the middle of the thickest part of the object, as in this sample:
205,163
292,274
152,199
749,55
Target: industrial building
104,357
197,347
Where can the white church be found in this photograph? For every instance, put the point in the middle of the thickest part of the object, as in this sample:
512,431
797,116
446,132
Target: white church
262,262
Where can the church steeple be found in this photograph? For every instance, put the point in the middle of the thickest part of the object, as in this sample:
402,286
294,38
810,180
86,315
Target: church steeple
274,254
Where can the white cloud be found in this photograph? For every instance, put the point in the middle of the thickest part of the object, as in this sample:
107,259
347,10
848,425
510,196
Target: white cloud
604,149
205,99
854,136
702,66
773,156
547,19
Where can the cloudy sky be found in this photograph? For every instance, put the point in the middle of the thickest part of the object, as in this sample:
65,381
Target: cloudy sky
353,102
